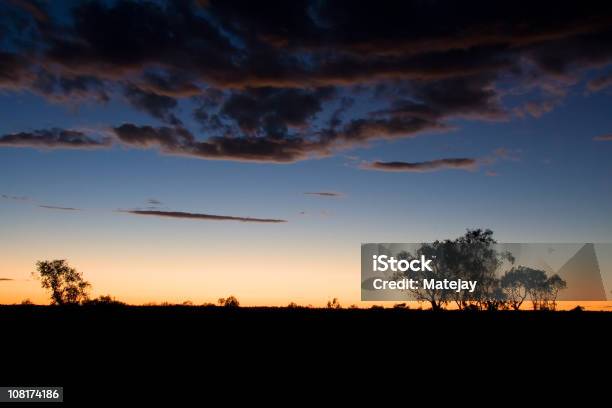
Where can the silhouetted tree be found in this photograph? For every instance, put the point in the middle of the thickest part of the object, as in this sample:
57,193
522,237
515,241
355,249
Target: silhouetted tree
543,290
514,283
229,301
65,283
477,259
334,304
555,284
536,286
470,257
496,298
442,252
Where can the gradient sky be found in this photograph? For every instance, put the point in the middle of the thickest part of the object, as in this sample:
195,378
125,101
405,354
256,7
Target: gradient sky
424,121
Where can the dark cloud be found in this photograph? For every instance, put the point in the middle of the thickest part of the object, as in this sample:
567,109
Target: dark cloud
170,83
273,83
467,97
390,27
271,111
600,83
603,138
325,193
68,87
53,138
232,44
535,108
53,207
198,216
32,7
158,106
179,141
13,70
419,167
6,279
154,201
167,138
127,37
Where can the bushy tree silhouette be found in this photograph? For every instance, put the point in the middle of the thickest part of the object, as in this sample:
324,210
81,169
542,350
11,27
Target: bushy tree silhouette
520,282
514,284
334,304
477,259
65,283
230,301
470,257
554,284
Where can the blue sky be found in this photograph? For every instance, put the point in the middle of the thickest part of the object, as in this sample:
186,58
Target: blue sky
535,172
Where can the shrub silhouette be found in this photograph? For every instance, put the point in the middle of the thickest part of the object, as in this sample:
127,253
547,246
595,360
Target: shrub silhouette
334,304
65,283
229,301
105,300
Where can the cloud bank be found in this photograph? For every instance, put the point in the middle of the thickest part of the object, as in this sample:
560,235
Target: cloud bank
282,83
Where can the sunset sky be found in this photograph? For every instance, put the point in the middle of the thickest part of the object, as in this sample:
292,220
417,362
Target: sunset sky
304,128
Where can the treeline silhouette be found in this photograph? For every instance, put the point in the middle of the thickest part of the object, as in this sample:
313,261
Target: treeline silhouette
472,256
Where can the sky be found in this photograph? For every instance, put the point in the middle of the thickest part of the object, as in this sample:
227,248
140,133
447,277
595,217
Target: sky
192,150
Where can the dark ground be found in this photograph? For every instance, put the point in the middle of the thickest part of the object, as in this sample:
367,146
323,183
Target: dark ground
99,353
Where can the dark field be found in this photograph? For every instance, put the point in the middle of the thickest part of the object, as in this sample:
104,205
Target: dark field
88,349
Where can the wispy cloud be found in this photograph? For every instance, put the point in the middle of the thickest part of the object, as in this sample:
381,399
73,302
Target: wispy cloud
154,201
52,139
603,138
425,166
199,216
599,83
16,198
324,193
53,207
